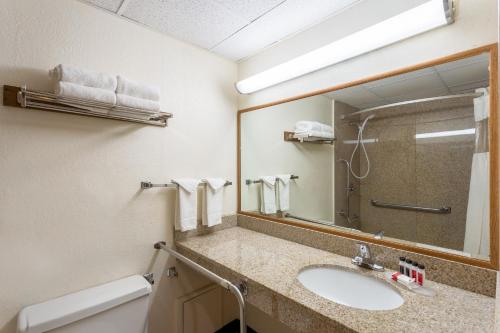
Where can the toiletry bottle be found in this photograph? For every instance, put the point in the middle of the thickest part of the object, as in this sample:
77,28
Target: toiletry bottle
421,275
414,270
407,267
402,265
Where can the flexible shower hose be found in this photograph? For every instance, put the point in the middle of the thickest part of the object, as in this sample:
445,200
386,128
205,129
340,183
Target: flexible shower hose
358,143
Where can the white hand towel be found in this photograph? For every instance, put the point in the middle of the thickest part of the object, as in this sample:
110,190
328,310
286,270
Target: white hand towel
213,201
284,192
268,195
67,89
83,77
137,89
137,103
185,212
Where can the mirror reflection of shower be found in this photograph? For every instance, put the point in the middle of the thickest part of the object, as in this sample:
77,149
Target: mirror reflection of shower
361,128
348,190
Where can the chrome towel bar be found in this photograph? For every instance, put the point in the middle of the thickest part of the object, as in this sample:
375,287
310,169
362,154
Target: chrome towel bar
250,181
440,210
146,185
212,276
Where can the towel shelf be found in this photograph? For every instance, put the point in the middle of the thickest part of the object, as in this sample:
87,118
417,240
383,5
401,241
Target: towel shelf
146,185
440,210
40,100
250,181
288,136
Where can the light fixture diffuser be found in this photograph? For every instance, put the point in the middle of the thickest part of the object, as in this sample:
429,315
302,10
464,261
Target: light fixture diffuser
428,16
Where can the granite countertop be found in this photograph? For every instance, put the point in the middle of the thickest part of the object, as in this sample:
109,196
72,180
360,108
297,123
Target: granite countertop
273,264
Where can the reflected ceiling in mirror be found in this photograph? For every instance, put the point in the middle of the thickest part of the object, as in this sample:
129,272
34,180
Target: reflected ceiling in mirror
405,158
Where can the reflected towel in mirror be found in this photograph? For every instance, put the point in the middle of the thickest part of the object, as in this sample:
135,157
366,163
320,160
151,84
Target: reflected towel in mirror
268,195
284,192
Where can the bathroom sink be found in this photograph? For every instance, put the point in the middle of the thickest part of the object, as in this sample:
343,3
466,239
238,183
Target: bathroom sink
350,288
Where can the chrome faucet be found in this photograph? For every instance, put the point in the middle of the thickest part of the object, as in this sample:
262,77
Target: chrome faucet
364,259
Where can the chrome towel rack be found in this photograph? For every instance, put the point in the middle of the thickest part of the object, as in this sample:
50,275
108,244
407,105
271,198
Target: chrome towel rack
440,210
212,276
251,181
146,185
46,101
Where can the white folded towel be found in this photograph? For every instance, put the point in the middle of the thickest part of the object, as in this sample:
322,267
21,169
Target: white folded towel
83,77
137,89
186,212
268,195
213,201
306,125
137,103
67,89
284,192
303,135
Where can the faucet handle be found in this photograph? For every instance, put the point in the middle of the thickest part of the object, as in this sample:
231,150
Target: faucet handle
364,250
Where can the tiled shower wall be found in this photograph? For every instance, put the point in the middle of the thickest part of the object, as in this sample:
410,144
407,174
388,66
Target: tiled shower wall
430,172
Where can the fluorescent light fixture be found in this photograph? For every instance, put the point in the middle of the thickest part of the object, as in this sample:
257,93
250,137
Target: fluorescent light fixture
467,131
428,16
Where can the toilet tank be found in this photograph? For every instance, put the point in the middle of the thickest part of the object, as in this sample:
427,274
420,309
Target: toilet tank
116,307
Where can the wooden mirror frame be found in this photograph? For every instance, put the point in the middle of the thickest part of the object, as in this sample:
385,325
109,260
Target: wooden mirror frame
493,148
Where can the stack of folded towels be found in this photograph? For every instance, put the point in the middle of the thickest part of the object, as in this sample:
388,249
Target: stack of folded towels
306,130
85,84
137,95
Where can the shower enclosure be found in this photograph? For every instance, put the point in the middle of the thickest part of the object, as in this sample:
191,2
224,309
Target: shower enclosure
421,152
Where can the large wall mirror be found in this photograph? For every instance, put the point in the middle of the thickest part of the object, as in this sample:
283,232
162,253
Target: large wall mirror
407,159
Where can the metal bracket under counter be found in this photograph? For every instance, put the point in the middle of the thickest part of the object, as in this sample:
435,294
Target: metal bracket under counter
237,290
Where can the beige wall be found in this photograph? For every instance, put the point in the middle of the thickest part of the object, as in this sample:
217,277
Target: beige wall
71,211
475,25
264,152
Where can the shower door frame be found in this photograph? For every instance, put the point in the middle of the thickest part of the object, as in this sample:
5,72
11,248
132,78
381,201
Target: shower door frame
493,125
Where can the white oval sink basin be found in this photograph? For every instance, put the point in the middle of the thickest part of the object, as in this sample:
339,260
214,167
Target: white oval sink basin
350,288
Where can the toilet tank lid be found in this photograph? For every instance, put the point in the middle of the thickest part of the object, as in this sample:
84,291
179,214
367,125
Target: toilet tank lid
73,307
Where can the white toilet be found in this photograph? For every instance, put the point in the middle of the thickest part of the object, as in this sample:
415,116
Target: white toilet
116,307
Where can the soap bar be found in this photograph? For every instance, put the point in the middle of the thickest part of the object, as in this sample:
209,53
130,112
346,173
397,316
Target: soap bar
404,280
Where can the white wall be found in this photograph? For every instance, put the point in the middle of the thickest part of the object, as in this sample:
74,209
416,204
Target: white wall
475,25
264,152
71,211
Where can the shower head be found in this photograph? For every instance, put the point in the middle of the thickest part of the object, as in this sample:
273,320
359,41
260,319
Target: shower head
365,121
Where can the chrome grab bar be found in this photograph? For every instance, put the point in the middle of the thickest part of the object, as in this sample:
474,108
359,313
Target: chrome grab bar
250,181
440,210
212,276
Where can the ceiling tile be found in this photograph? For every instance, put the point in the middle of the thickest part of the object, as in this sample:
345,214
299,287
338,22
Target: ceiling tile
111,5
484,58
356,96
425,84
472,72
469,87
290,17
250,9
417,94
201,22
398,78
